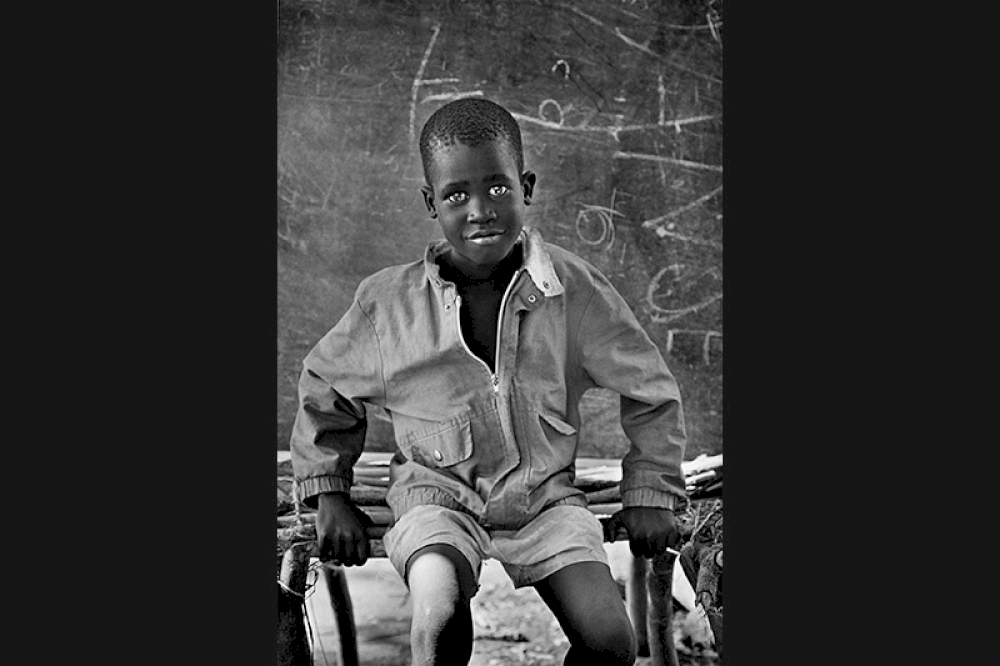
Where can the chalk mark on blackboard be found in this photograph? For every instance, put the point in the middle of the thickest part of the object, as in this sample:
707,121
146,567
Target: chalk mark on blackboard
670,160
659,223
613,130
606,217
661,315
662,232
417,81
641,47
706,346
441,97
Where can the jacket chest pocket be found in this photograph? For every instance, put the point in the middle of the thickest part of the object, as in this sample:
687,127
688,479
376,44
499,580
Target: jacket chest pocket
444,447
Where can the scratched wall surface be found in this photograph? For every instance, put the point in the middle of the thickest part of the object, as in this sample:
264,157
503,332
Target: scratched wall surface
620,105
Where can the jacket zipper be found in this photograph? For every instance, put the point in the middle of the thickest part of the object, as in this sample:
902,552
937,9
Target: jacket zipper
494,376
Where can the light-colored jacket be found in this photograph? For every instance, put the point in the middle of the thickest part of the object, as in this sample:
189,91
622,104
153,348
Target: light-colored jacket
500,446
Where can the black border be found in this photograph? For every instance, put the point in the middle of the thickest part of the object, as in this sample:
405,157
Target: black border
170,348
804,529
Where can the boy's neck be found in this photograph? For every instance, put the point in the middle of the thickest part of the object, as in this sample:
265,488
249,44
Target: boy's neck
457,269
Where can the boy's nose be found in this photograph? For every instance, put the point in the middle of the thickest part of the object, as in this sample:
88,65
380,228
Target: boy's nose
480,212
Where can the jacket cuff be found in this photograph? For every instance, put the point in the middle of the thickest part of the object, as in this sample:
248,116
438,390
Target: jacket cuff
309,490
648,497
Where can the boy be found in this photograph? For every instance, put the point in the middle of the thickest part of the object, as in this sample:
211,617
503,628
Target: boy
480,354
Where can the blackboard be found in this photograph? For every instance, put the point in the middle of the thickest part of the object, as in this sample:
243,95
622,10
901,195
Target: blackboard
620,107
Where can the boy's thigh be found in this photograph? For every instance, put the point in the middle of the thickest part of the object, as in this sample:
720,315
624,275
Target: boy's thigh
555,539
441,531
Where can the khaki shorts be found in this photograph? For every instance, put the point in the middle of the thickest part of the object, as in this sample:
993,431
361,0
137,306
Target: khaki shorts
556,538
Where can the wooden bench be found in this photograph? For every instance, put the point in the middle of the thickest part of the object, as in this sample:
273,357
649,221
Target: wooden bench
649,597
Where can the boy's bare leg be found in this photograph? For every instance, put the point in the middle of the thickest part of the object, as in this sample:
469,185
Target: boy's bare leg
586,601
440,581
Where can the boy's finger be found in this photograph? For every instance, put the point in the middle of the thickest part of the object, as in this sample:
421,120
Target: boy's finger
346,551
361,550
329,550
326,549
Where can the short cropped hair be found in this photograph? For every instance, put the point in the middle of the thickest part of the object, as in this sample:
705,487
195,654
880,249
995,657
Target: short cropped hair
470,121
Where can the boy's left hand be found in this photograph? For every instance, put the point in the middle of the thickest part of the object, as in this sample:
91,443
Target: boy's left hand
651,530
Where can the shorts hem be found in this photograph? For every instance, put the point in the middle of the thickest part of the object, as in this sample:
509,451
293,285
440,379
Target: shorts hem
476,571
539,573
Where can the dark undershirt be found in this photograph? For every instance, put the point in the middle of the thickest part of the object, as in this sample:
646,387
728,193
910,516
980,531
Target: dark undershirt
481,299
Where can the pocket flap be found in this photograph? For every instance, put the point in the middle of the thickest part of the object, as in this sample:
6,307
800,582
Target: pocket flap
558,425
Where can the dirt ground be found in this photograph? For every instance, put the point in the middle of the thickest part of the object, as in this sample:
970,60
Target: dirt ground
511,626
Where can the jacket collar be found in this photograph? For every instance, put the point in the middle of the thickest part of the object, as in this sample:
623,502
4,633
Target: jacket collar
537,263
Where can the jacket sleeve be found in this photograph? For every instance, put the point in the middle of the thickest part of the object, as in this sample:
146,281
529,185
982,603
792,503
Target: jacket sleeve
618,355
340,374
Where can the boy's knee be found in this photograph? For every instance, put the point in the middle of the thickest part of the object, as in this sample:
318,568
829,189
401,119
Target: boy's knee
435,610
441,630
618,641
440,608
439,568
624,645
587,602
609,641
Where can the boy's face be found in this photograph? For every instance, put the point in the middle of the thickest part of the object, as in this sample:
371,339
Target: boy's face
478,196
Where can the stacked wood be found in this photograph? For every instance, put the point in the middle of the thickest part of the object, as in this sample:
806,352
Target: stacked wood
703,476
599,480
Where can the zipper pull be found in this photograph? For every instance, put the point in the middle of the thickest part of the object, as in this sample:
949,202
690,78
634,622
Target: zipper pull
496,384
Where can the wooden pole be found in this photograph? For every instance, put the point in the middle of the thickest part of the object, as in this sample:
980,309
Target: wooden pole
661,631
637,600
343,612
293,646
289,536
380,516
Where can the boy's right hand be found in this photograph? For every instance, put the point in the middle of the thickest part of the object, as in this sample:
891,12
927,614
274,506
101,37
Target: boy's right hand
340,530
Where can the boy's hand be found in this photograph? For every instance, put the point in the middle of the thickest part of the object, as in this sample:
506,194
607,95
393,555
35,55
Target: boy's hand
340,530
650,530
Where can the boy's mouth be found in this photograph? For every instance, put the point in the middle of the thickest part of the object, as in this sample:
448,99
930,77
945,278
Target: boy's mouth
485,237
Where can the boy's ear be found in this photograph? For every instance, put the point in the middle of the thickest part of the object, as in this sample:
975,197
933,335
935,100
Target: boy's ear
528,185
428,194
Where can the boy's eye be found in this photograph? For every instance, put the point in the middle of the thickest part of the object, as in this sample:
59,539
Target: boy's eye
498,190
457,197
